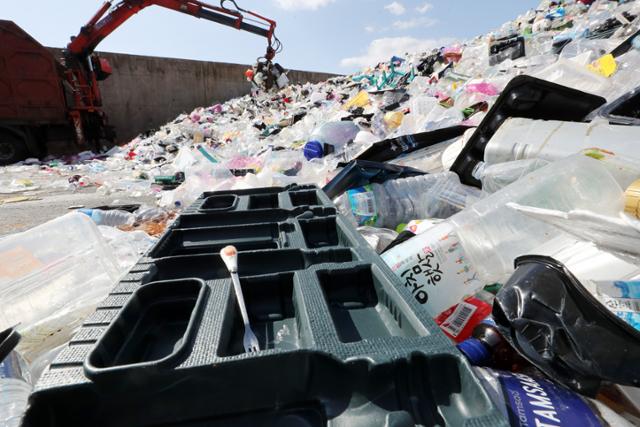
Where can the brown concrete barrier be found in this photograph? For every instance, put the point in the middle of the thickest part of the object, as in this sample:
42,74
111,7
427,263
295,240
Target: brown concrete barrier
146,92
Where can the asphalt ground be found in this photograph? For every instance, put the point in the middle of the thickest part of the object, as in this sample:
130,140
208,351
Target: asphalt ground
17,214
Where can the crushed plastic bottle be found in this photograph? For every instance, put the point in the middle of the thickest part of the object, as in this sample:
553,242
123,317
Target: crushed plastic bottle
401,200
111,218
330,138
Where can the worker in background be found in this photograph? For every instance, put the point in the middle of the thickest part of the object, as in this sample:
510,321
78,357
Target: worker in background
265,76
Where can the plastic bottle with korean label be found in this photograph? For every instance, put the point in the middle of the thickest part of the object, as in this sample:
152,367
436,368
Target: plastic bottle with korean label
477,246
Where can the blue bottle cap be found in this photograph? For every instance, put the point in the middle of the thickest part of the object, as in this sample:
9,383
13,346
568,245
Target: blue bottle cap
477,353
313,150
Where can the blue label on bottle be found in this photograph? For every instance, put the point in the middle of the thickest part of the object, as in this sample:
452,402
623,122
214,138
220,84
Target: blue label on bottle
623,299
363,205
539,403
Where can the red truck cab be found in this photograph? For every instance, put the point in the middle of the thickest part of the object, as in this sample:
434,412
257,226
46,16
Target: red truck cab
33,106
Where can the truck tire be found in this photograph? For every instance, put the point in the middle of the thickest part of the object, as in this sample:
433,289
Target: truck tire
12,148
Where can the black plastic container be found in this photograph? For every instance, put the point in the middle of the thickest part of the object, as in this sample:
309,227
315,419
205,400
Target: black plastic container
390,149
553,320
529,98
342,343
506,48
624,110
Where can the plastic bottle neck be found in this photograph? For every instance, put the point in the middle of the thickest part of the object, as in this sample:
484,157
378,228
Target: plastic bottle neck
475,351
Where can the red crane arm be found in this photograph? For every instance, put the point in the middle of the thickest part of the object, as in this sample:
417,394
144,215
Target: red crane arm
84,69
103,24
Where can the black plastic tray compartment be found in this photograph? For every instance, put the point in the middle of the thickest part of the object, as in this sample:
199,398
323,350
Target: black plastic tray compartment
360,306
193,241
223,202
264,201
248,192
417,391
247,217
154,328
252,263
271,305
424,391
323,232
304,198
525,97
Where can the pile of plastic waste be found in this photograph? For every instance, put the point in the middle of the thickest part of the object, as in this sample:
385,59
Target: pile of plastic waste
498,178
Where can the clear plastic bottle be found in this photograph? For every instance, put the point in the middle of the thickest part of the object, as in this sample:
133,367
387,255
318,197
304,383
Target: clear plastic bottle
111,218
497,176
330,138
531,401
399,201
477,246
13,402
15,388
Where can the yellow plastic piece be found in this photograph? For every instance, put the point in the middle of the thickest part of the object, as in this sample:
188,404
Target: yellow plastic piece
632,199
393,119
605,65
360,100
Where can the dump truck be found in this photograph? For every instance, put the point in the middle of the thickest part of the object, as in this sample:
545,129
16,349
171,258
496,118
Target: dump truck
52,105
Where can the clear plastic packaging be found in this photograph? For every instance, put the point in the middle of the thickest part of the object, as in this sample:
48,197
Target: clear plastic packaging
52,276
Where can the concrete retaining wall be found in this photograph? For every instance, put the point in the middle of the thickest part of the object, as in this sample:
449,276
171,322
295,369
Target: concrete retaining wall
146,92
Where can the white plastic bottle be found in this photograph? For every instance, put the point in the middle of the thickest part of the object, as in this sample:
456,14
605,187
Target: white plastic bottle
112,218
399,201
331,137
531,401
478,246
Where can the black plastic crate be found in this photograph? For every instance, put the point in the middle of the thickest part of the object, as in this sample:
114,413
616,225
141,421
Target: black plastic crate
342,343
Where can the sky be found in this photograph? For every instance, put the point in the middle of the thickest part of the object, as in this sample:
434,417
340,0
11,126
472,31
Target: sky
339,36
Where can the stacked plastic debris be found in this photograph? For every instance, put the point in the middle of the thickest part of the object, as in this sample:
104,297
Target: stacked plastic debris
497,177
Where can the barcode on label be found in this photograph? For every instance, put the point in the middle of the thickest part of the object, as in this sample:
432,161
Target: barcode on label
629,305
370,206
455,323
364,204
